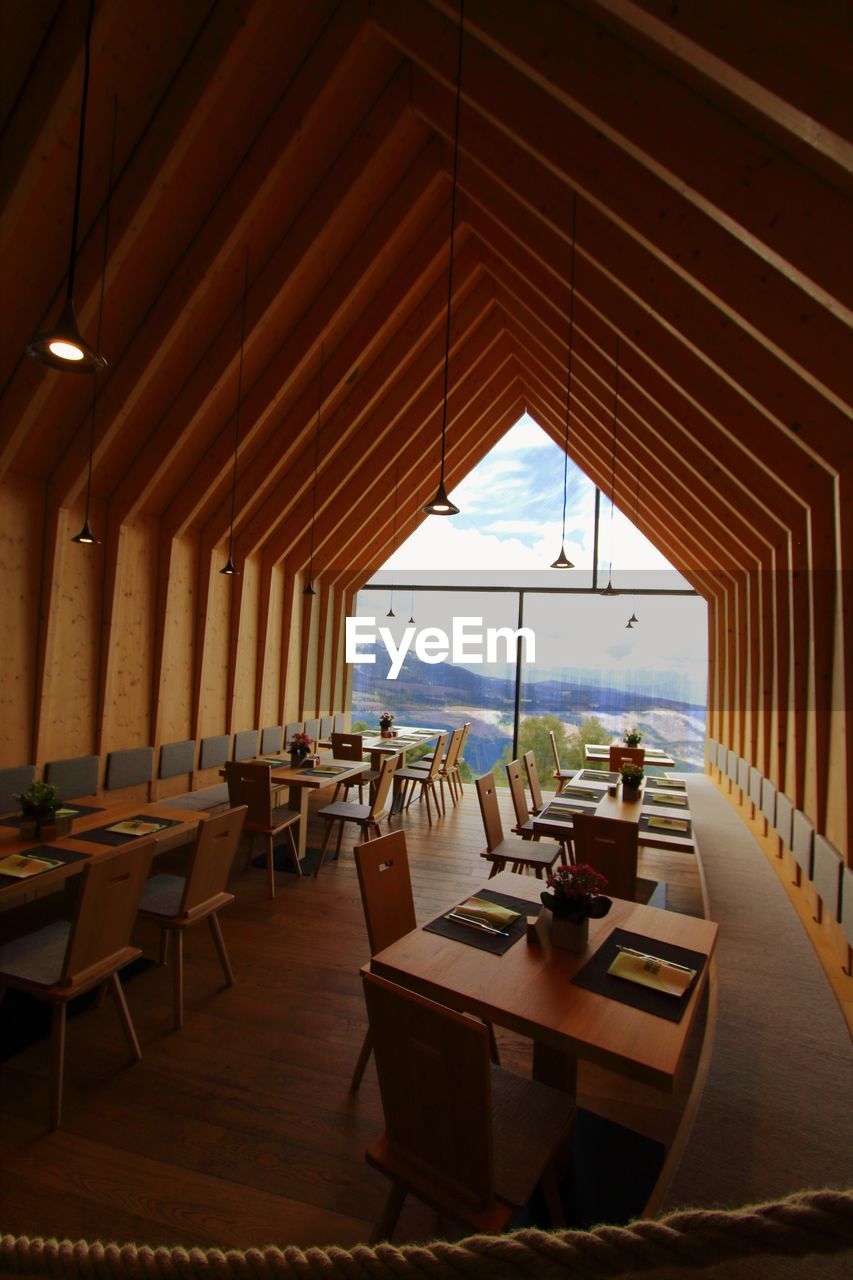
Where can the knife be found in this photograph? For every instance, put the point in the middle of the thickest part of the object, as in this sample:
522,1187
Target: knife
478,924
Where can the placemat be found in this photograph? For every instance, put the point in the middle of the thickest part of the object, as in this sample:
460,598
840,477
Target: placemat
591,795
46,851
495,943
324,772
596,775
78,810
670,784
673,800
594,976
102,835
686,832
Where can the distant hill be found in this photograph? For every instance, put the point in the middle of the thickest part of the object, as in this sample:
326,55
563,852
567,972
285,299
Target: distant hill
445,696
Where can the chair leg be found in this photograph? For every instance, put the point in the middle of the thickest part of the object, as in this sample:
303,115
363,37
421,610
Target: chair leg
164,947
294,851
553,1203
329,824
124,1016
340,839
384,1228
363,1059
250,846
425,790
178,978
57,1062
221,949
493,1046
270,868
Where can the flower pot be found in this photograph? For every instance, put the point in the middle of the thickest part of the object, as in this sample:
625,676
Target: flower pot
386,733
630,790
569,935
297,758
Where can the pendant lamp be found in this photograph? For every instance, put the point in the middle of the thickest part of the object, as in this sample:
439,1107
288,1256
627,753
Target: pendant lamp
441,504
86,537
608,590
563,561
63,347
309,589
230,569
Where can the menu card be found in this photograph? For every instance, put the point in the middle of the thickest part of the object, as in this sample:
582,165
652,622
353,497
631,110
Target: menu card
651,971
21,865
137,827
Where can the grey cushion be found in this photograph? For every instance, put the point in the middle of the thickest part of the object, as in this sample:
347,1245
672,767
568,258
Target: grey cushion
246,744
768,800
327,726
37,957
755,781
129,768
177,757
312,728
290,729
214,751
162,895
802,841
199,801
711,751
340,722
731,765
271,740
72,778
743,774
12,783
721,757
826,875
784,823
847,904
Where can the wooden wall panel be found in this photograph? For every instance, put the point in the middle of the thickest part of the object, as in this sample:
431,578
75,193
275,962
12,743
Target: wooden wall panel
126,718
21,531
270,638
243,658
174,710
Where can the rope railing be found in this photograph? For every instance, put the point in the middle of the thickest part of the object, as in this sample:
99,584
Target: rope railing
808,1222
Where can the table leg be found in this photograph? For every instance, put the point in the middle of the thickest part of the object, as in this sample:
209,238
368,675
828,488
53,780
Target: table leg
550,1066
297,798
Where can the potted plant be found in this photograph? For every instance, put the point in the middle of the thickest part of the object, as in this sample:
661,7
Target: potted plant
632,737
38,808
632,776
299,746
574,897
386,720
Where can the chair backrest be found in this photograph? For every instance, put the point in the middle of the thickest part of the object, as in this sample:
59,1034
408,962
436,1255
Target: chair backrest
312,728
347,746
271,740
625,755
386,889
213,853
250,785
490,810
177,758
533,780
129,768
12,783
555,750
290,729
454,747
383,785
246,744
327,725
433,1068
106,908
435,765
73,778
611,847
516,790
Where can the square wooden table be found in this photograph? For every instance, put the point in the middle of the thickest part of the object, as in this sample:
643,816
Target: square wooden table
603,805
304,780
529,990
594,751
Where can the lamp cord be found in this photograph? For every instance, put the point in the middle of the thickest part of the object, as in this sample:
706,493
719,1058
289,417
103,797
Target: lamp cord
569,370
239,399
316,465
452,232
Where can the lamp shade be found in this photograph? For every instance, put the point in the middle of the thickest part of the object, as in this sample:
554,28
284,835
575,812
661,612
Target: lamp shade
63,347
441,504
230,569
562,561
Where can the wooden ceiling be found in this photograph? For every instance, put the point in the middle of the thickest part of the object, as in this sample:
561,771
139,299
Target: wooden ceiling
708,145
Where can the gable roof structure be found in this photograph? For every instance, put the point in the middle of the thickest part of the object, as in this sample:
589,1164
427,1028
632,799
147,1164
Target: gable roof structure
709,149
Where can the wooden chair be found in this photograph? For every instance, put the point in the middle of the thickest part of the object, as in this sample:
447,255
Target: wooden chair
389,908
250,785
530,768
625,755
523,822
406,780
469,1138
366,816
561,775
611,847
349,746
174,903
69,957
519,853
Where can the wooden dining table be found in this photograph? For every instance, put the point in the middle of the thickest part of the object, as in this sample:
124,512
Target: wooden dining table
529,989
302,780
596,753
590,796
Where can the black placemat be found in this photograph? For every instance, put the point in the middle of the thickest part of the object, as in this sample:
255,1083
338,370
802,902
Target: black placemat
594,976
324,771
596,775
103,835
79,811
587,795
672,800
495,943
670,784
45,851
686,834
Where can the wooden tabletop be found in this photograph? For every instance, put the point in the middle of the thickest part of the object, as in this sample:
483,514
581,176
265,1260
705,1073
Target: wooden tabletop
528,989
660,759
603,805
318,776
108,812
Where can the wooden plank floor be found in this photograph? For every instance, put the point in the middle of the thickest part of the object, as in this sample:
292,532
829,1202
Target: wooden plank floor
240,1129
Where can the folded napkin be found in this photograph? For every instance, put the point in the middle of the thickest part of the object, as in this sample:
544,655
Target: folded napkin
483,912
650,971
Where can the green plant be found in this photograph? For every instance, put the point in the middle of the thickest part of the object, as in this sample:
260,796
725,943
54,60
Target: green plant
40,798
577,893
632,737
632,775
